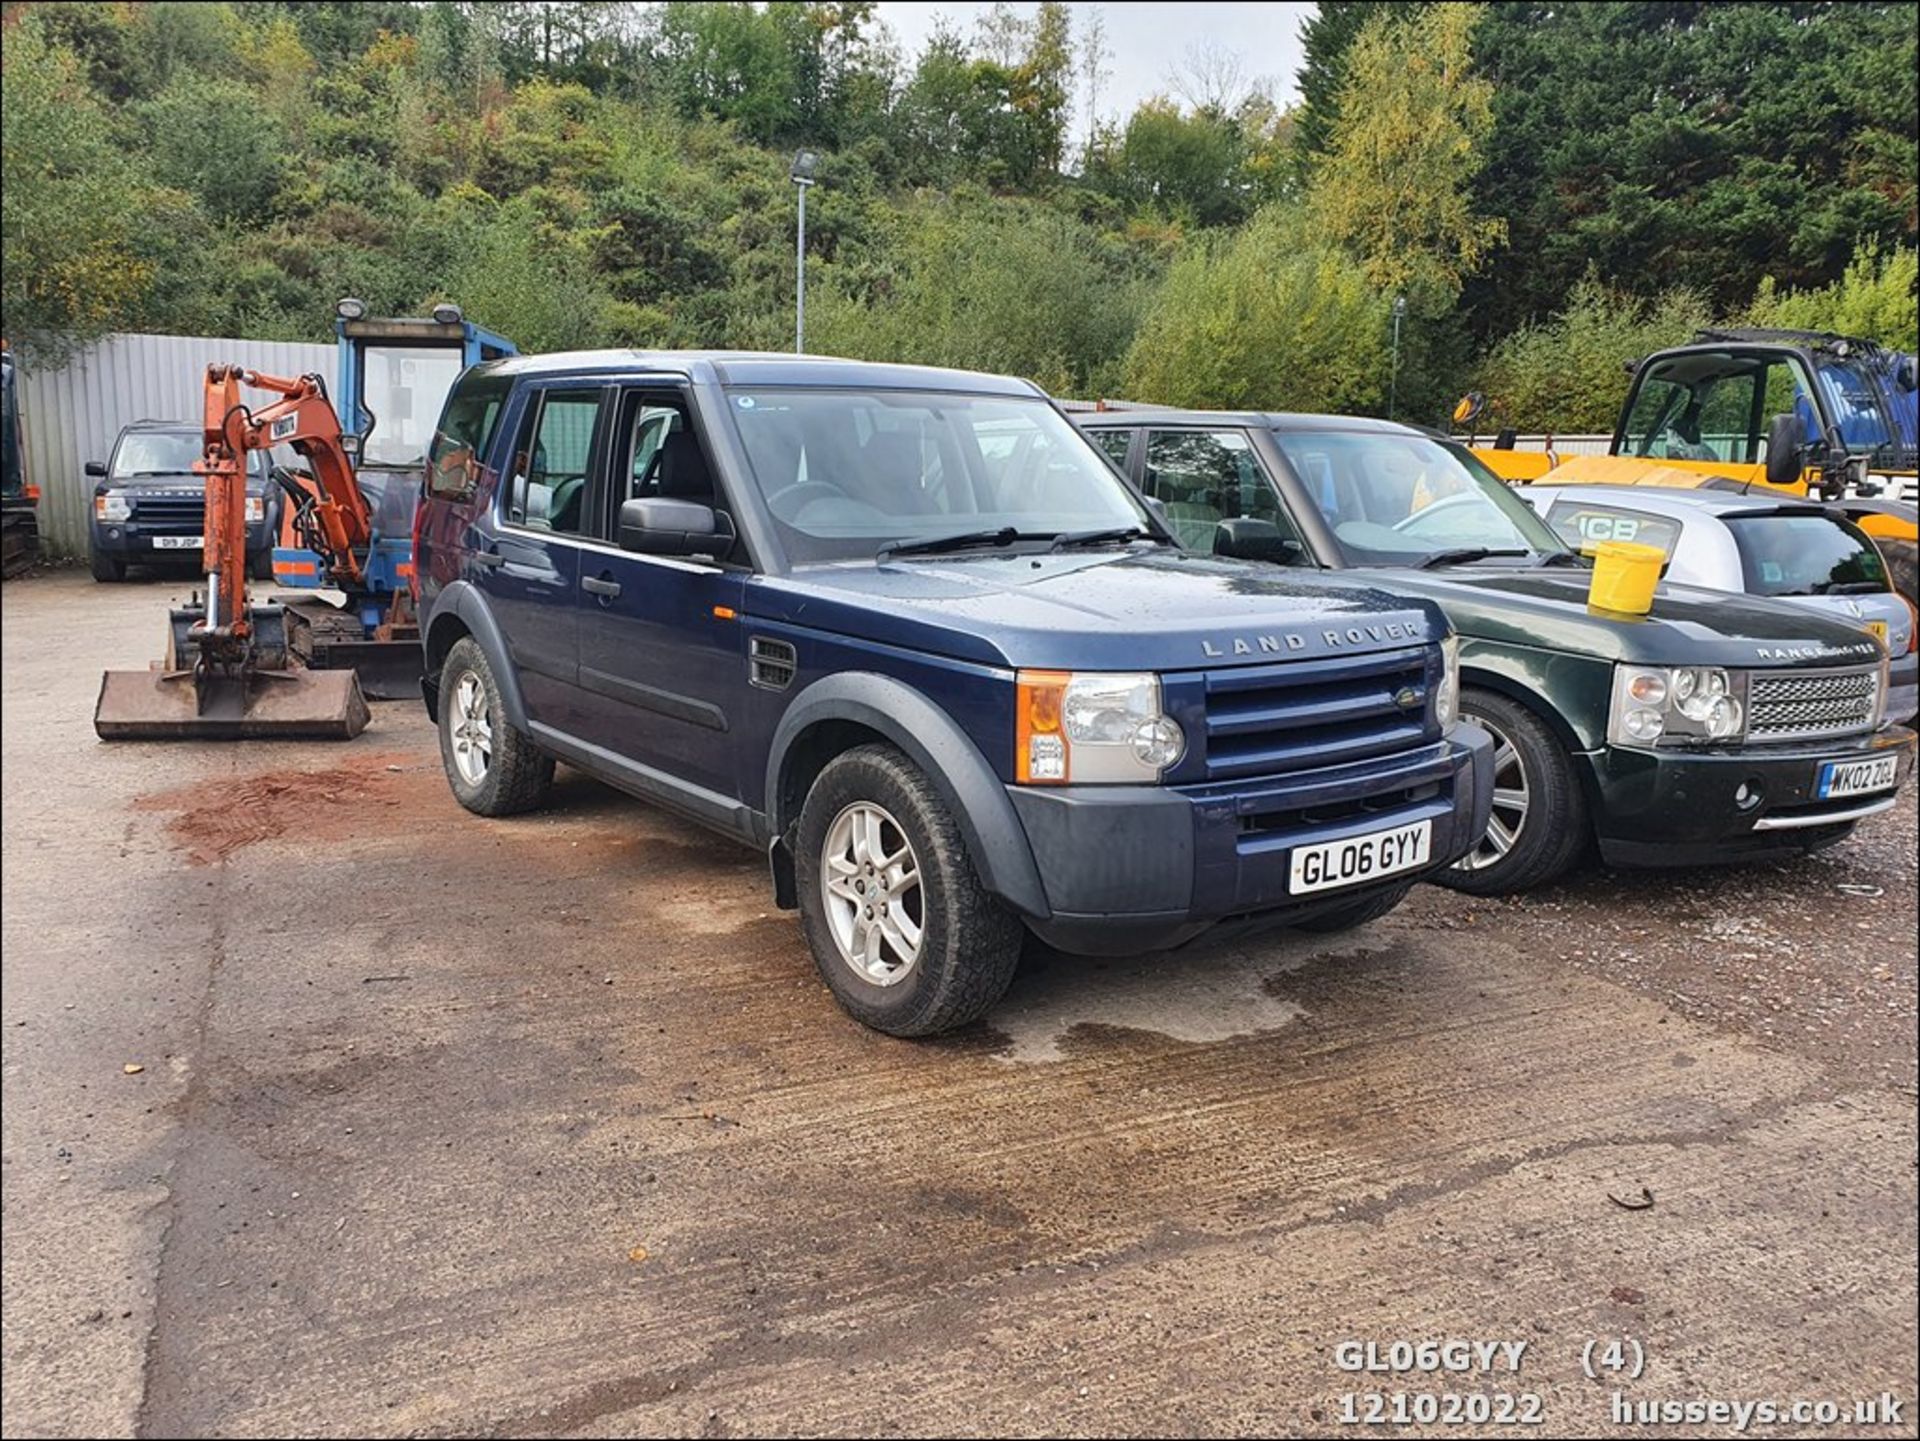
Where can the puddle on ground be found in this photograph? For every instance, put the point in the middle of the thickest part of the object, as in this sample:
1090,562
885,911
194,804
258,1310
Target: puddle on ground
1196,996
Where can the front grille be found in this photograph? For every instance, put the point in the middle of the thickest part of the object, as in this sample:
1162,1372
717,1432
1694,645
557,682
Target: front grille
1812,705
171,514
1276,719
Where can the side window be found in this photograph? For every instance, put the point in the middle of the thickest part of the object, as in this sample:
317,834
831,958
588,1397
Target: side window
459,450
1583,526
656,454
1654,405
550,459
1114,443
1203,477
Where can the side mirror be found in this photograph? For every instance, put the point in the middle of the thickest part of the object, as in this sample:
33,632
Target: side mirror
1507,439
1903,375
97,469
1786,449
1245,537
653,526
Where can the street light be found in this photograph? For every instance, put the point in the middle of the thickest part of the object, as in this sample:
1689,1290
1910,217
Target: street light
1393,385
801,175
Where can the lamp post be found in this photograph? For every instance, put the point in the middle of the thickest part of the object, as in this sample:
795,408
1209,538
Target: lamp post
802,176
1393,384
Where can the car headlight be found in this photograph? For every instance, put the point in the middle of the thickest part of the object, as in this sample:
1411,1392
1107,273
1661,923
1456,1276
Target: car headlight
1446,698
1093,728
256,509
112,505
1684,705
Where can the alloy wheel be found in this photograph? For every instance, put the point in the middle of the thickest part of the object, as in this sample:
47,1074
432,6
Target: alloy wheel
870,890
1511,797
472,730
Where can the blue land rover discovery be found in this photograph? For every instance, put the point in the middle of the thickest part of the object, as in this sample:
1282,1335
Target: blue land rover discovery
908,633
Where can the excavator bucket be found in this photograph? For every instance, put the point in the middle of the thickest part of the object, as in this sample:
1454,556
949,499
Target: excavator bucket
266,700
259,705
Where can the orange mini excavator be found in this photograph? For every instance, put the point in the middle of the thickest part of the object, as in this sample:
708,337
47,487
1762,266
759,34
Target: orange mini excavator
227,674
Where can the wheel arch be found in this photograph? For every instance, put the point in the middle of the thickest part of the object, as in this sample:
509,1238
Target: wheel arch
840,712
460,612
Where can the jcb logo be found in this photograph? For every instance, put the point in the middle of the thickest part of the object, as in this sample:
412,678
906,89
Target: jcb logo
1597,528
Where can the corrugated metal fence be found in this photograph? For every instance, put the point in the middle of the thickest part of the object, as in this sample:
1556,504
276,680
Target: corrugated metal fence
71,415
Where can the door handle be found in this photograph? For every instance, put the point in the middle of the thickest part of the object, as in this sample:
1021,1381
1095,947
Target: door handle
600,585
491,559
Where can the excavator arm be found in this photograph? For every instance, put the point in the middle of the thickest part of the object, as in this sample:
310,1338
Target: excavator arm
337,520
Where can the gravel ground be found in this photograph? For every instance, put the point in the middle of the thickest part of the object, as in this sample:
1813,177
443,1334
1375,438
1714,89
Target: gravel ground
1816,956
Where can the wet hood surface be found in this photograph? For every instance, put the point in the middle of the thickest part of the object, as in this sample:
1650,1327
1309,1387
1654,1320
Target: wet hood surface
1547,609
1102,610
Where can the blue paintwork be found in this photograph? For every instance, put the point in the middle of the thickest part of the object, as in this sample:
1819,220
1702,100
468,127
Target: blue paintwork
656,682
390,493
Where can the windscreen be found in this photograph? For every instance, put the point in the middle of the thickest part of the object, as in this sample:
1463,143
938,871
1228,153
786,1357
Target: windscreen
402,388
1806,555
846,472
168,452
1395,499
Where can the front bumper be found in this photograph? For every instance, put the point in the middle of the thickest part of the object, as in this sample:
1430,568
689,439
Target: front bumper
1142,868
1680,807
130,540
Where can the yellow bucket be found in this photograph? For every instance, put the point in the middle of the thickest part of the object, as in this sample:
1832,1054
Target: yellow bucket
1624,575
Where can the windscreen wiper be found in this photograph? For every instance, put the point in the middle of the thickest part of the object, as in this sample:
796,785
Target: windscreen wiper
933,545
1462,555
1849,587
1068,538
1560,557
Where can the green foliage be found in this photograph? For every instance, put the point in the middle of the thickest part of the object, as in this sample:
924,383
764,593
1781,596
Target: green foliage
210,139
1693,145
1874,299
71,207
1394,185
1004,286
1271,318
581,171
1569,373
1326,36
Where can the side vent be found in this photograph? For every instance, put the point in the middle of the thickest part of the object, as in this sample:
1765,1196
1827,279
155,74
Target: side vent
770,663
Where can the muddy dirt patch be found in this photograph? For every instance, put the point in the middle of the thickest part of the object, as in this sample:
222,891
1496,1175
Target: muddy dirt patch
215,818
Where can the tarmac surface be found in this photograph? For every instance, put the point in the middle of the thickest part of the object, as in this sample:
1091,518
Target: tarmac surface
547,1126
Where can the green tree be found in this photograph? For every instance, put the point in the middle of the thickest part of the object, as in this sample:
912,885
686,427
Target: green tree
211,139
70,260
1874,300
1269,318
1395,186
1569,373
1325,38
1693,144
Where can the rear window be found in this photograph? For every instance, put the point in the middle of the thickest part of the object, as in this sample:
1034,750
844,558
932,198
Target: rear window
1583,525
1806,555
466,432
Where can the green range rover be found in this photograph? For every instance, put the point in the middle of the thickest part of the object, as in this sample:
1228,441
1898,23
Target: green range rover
1717,728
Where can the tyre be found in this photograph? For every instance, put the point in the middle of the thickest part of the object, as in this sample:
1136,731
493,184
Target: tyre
260,565
904,934
106,567
493,768
1539,827
1355,912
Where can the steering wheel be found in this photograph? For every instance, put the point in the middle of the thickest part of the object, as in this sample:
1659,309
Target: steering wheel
789,500
1413,523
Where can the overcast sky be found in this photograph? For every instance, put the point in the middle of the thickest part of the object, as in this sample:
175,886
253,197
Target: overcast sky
1147,40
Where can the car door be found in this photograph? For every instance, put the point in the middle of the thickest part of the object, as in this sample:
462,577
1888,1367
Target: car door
662,668
1202,477
531,565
